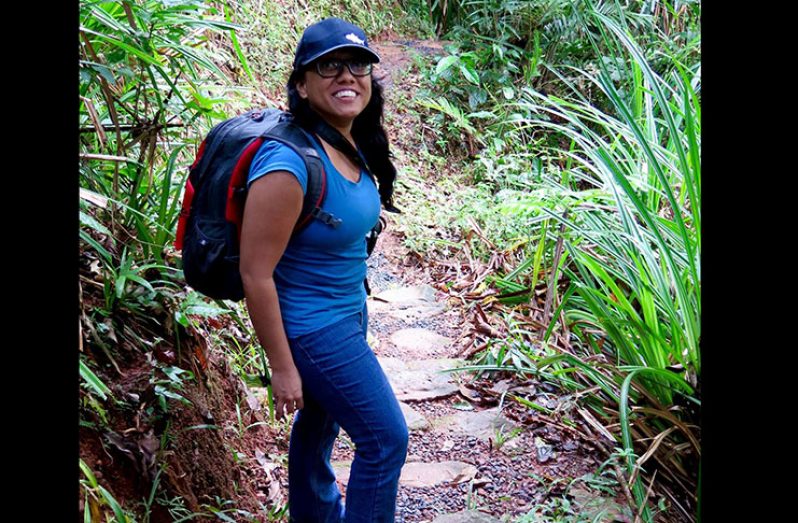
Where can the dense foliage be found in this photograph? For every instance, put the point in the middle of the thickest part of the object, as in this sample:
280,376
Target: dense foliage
579,128
155,75
575,128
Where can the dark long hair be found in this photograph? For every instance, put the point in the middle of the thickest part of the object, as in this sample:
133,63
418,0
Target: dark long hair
367,130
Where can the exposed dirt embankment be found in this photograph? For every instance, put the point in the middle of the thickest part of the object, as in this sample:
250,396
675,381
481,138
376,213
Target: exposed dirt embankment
194,453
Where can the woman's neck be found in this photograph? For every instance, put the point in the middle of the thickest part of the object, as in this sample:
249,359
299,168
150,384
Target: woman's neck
345,130
315,123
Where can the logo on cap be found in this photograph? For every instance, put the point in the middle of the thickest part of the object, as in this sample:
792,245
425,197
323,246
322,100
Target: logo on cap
352,37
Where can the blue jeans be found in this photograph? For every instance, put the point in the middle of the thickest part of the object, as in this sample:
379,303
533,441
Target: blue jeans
344,386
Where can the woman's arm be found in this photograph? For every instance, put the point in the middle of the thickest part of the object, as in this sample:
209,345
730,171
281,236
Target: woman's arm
273,204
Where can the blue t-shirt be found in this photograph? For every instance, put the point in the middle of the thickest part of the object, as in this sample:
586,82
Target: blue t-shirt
320,277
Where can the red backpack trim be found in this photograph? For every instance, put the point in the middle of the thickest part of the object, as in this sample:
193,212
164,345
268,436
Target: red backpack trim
236,189
188,197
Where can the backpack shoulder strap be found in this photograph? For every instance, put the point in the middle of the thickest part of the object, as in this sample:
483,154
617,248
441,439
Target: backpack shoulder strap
333,137
298,140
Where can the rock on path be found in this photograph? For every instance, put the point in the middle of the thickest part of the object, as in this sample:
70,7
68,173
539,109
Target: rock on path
418,376
405,296
466,516
419,474
420,380
455,453
414,419
408,304
483,425
422,341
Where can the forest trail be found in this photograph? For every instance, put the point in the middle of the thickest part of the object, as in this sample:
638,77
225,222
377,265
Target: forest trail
474,456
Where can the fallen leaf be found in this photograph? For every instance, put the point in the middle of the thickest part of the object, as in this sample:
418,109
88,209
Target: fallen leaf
501,387
148,446
545,401
524,390
466,474
544,451
268,466
275,493
252,401
110,330
469,394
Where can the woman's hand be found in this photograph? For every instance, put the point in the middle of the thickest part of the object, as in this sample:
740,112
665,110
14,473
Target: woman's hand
287,389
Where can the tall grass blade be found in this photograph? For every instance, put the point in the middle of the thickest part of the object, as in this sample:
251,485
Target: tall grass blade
94,383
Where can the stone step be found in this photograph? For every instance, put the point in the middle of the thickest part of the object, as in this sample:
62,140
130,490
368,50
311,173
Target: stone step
415,295
420,474
414,419
420,341
406,303
466,516
483,425
420,380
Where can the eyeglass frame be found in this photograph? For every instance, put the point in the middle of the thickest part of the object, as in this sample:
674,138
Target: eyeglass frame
340,69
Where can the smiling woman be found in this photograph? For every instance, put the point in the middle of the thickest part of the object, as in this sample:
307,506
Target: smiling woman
305,291
334,91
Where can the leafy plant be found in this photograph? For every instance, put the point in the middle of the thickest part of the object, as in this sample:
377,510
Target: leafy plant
602,145
170,387
502,437
99,502
92,382
637,270
130,100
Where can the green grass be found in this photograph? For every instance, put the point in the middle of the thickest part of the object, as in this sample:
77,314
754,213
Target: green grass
154,77
97,499
525,120
607,159
271,29
637,268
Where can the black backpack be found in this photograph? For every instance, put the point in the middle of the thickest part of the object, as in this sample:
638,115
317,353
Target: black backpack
209,227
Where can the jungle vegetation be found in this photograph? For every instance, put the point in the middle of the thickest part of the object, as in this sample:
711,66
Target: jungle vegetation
572,129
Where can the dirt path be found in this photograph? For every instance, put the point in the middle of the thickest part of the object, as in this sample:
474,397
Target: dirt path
471,446
472,456
469,457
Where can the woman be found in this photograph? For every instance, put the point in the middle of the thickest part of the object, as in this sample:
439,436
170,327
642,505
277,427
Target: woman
305,292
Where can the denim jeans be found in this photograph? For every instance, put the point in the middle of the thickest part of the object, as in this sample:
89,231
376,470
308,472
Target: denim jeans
344,387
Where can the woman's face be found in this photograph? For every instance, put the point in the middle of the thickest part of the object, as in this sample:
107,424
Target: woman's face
338,99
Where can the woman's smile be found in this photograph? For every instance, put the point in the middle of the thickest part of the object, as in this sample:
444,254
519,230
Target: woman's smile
345,94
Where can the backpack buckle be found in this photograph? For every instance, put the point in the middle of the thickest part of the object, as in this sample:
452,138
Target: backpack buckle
326,217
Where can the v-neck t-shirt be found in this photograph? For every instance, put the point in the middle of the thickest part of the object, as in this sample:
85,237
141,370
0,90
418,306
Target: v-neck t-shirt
320,276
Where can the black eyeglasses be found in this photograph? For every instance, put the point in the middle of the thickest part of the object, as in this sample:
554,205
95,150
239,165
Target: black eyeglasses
332,68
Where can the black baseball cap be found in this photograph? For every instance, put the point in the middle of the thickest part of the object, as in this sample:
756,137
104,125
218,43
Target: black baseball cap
328,35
